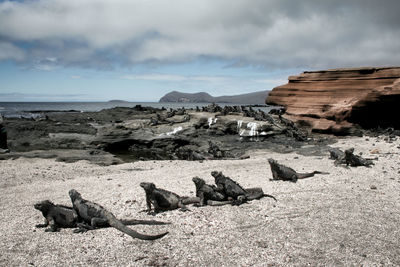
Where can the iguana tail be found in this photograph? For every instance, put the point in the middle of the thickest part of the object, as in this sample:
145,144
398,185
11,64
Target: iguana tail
114,222
271,196
190,200
256,193
252,197
144,222
218,203
311,174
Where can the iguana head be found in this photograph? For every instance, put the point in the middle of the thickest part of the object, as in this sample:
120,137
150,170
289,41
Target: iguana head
148,187
271,161
44,205
73,194
198,181
218,176
349,151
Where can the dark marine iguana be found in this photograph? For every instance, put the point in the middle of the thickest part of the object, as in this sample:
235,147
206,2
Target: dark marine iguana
96,216
209,195
60,216
56,216
354,160
347,157
336,153
233,190
282,172
164,200
206,192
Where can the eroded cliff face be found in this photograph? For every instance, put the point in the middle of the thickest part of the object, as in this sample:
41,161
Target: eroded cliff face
334,101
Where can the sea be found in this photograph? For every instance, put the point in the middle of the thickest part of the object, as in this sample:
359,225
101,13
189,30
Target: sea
34,109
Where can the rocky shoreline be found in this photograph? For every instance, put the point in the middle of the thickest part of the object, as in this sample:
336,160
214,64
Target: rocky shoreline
117,135
121,134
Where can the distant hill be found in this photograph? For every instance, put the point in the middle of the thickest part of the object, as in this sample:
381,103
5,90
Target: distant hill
255,98
117,101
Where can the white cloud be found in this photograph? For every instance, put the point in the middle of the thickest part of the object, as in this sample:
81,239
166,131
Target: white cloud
176,78
271,33
46,64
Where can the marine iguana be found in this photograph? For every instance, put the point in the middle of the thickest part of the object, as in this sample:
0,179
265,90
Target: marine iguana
233,190
336,153
57,216
354,160
206,192
282,172
96,216
60,216
164,200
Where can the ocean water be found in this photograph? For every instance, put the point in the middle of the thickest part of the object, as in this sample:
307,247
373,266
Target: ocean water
32,109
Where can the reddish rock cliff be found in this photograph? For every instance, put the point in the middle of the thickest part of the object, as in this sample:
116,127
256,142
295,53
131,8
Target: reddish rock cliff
335,100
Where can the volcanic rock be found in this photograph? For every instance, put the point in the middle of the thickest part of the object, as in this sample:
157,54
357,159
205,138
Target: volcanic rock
143,133
337,100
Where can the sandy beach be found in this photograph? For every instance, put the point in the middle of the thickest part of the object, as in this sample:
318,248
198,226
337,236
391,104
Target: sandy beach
348,217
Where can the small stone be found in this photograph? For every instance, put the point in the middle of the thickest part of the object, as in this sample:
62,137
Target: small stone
375,151
373,187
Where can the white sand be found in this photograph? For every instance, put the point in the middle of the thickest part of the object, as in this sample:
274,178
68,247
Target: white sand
334,219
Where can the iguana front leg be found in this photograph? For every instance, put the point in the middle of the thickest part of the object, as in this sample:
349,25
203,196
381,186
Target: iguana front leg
83,228
182,206
53,226
45,224
239,200
202,202
148,203
157,208
94,224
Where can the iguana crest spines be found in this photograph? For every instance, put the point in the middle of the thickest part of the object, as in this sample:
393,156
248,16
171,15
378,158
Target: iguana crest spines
220,178
229,188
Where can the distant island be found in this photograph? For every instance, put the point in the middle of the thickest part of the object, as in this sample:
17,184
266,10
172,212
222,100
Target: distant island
117,101
256,98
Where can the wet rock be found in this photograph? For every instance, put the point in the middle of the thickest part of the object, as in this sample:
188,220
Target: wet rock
144,133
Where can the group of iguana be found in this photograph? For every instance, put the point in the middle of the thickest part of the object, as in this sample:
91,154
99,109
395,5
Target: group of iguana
86,215
347,157
282,172
226,191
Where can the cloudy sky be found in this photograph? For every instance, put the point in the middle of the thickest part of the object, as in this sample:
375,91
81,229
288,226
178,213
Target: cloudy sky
138,50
